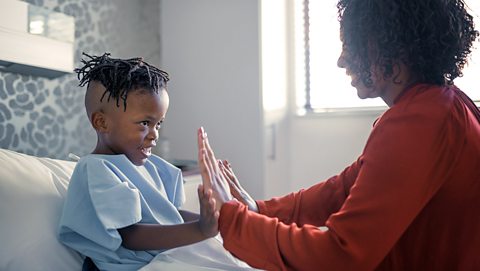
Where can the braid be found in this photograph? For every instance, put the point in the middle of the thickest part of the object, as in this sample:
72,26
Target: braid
120,76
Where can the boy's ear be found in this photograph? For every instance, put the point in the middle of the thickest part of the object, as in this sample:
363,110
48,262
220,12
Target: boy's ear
99,122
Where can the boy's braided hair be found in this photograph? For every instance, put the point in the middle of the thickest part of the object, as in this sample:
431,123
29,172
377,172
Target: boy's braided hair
120,76
432,37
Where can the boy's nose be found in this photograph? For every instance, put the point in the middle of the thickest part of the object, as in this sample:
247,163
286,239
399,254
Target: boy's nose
153,135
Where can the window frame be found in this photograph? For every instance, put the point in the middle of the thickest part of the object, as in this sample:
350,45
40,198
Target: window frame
302,56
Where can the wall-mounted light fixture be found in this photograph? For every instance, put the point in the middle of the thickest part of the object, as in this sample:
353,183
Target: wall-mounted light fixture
34,40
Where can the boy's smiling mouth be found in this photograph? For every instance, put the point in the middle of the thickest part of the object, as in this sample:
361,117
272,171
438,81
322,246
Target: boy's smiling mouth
147,151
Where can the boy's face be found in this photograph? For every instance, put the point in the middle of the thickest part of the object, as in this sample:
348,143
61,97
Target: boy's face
134,132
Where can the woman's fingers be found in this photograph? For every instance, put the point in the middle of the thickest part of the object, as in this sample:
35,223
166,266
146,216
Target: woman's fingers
206,153
234,189
229,173
211,162
210,153
212,176
203,162
200,137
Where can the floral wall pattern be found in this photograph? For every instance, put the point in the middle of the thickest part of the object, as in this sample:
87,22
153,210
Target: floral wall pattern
44,117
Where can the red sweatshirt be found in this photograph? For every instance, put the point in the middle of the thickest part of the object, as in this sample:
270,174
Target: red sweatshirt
410,202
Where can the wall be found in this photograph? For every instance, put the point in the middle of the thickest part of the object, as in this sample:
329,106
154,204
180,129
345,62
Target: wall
211,48
323,145
46,117
231,73
276,43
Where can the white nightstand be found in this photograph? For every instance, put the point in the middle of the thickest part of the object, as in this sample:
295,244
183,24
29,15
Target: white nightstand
190,184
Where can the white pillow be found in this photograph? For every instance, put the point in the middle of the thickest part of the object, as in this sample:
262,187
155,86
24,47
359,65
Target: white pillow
32,191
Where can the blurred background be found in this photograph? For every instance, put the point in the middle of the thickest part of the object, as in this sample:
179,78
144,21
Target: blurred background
240,68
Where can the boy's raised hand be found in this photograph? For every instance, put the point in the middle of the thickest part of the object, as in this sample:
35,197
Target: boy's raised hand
212,177
208,220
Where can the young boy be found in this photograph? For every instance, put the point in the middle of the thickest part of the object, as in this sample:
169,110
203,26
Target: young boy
122,204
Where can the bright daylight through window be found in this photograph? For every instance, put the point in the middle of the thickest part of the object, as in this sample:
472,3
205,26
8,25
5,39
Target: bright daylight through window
321,85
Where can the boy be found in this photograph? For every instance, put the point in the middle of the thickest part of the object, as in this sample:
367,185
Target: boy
122,204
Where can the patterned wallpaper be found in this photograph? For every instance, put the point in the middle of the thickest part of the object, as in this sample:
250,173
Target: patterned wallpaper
46,117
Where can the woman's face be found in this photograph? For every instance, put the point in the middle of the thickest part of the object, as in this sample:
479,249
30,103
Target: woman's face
378,85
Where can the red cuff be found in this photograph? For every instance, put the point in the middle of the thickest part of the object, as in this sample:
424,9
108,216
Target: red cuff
228,210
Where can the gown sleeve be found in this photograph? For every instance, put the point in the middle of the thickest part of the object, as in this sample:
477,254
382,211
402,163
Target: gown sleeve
407,158
115,200
99,201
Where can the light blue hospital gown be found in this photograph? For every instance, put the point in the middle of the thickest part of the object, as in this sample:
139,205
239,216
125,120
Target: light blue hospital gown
108,192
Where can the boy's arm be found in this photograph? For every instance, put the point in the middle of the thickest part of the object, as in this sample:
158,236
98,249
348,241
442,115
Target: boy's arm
155,236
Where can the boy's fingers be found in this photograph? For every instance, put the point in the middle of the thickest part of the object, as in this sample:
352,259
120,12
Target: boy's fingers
200,191
209,193
214,205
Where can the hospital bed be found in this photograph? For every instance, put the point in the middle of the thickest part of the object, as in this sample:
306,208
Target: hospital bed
32,191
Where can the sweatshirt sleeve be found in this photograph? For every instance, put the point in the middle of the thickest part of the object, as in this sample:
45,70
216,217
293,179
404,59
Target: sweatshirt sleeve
406,160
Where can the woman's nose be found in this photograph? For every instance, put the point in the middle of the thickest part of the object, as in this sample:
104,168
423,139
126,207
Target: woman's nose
341,61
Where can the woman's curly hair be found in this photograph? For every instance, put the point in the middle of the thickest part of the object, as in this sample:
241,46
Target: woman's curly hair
433,38
120,76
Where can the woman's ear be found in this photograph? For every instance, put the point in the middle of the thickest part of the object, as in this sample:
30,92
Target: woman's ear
397,73
99,122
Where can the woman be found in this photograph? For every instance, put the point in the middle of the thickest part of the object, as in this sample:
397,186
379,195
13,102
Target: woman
410,201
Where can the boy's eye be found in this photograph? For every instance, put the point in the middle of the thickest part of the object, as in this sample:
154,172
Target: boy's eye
144,123
158,125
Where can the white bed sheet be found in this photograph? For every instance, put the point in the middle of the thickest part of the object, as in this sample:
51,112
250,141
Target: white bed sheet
206,255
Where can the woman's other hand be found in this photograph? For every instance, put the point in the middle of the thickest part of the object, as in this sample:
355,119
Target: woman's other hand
236,189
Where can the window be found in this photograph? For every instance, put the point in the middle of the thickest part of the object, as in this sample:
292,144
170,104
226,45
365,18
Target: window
321,85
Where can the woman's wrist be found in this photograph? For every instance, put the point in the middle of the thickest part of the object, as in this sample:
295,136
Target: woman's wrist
252,206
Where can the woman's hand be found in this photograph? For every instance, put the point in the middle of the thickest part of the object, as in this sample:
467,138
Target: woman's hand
208,220
236,189
212,177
